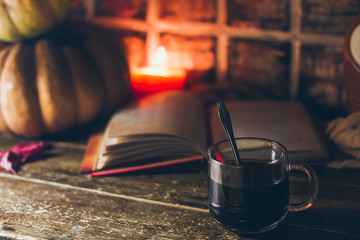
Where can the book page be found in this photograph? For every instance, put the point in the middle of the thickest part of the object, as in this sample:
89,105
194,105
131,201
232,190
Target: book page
174,113
285,122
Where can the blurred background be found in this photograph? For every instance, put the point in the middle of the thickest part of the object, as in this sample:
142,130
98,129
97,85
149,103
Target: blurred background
240,49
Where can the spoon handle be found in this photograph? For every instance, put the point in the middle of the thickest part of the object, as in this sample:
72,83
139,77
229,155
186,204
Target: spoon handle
226,123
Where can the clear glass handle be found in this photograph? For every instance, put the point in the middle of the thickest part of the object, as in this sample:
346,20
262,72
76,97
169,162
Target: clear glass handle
294,207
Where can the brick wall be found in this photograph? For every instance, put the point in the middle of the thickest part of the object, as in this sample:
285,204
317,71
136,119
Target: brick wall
245,49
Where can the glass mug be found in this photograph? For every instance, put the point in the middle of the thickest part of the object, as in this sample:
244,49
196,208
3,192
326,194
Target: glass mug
253,197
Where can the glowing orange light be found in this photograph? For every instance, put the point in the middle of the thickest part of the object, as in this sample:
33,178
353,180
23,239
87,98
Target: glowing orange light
157,77
160,58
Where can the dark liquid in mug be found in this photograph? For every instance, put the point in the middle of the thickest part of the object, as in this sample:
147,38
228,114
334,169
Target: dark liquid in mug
249,209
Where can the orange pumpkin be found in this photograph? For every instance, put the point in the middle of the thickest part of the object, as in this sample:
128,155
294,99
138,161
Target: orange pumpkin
22,19
51,84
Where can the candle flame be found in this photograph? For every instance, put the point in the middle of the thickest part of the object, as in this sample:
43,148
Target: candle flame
160,57
158,76
159,67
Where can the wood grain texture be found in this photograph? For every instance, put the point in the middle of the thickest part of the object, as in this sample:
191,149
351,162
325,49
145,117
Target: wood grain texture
49,199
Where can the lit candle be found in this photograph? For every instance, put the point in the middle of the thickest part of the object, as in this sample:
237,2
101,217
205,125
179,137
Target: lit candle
158,77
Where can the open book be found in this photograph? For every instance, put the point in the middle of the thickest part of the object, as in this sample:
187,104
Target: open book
173,127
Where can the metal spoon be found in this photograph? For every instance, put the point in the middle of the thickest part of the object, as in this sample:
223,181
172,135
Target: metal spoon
226,123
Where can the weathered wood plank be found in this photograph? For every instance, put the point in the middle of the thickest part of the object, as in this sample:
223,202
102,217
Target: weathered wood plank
331,188
61,164
55,178
59,211
329,216
40,209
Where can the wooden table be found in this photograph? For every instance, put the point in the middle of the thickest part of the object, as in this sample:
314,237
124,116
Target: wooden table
49,199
